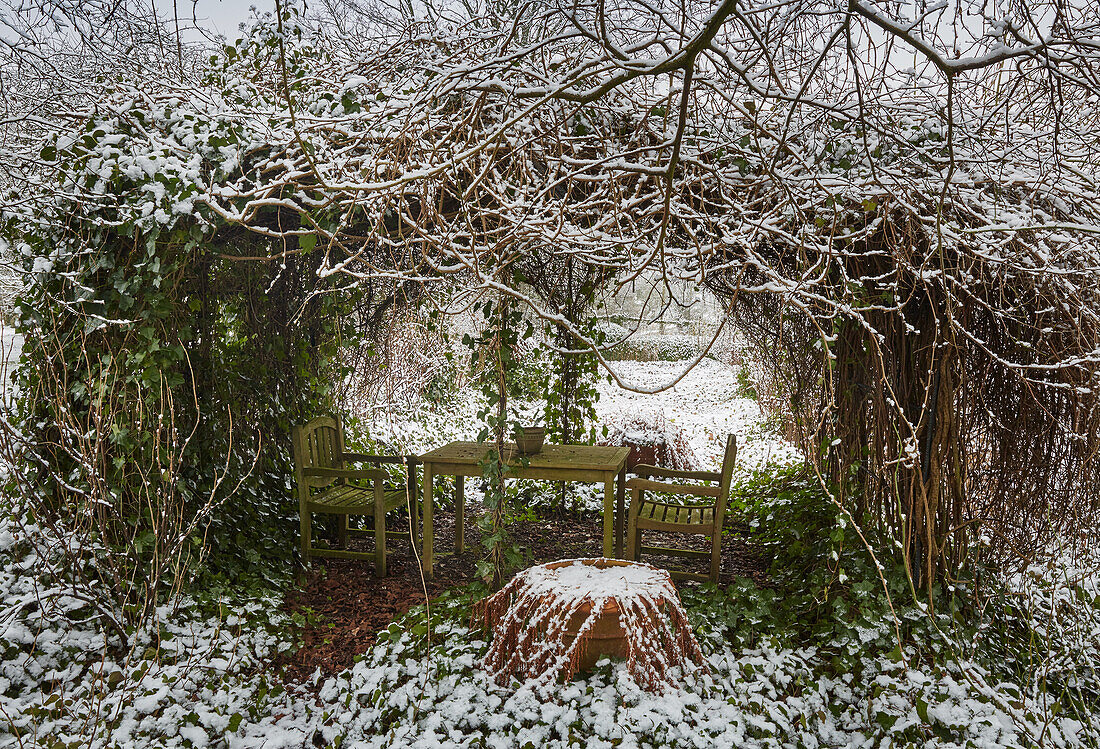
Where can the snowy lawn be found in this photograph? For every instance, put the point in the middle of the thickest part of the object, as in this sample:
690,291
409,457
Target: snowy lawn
704,405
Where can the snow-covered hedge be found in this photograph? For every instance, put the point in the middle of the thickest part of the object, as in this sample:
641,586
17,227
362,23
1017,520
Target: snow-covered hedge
665,347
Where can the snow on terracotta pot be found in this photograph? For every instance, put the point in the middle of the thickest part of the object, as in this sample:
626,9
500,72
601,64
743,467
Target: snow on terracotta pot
555,620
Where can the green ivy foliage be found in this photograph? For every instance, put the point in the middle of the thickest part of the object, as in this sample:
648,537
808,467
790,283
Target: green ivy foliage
823,586
168,349
824,591
812,654
570,387
495,349
189,361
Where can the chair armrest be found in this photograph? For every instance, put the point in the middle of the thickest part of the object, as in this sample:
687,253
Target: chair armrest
409,461
377,459
661,486
347,473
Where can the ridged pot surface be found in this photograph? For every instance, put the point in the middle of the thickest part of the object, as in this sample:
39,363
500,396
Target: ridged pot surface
529,439
606,636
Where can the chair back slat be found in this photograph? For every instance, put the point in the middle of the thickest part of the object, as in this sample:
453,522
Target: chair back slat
317,444
316,458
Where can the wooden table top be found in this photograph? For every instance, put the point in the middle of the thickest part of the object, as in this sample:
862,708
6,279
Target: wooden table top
580,457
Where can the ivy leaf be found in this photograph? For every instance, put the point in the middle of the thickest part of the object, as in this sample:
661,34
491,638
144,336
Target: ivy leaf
922,710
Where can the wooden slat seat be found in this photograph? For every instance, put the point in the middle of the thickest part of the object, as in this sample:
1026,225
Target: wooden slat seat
327,486
355,500
679,517
692,516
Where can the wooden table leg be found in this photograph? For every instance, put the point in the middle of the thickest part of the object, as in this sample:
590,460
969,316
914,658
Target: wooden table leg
620,512
608,515
426,519
460,514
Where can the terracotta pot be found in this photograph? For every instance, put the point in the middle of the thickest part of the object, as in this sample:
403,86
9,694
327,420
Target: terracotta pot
606,636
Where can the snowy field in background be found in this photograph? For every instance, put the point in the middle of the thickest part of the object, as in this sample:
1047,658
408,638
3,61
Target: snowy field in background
704,405
11,344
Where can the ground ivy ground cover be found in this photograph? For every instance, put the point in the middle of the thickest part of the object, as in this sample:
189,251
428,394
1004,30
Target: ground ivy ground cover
767,695
192,677
198,678
813,660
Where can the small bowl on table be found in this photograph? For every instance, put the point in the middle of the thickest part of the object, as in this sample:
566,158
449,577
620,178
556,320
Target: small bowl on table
529,439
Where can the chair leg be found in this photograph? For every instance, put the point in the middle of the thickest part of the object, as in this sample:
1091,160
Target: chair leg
633,548
305,520
412,500
342,531
460,516
414,523
715,554
379,531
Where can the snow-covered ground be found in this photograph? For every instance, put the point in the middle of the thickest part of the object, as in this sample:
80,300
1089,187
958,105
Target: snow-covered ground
768,695
192,680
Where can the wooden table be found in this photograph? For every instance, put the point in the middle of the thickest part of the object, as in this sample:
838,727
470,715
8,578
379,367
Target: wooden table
553,463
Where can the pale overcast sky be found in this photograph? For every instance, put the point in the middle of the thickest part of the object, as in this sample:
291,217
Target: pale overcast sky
221,16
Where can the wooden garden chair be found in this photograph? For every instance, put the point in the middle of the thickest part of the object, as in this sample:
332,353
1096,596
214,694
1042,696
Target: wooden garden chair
326,485
699,517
